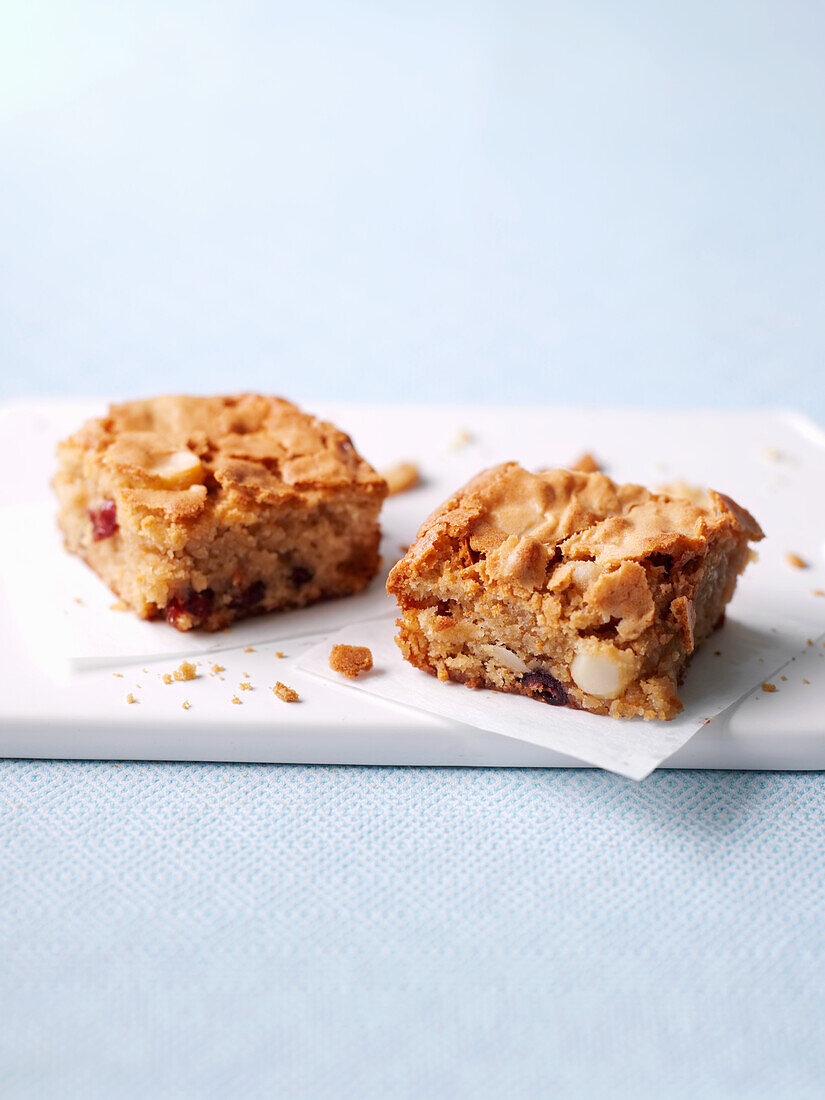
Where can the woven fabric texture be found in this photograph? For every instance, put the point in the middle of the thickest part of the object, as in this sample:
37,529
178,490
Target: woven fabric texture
249,930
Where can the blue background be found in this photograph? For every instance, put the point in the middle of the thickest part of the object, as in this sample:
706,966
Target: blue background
504,202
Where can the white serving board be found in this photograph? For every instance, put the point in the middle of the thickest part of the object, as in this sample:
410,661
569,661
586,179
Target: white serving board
773,462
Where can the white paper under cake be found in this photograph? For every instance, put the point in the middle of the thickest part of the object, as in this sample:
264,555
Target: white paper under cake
747,653
56,588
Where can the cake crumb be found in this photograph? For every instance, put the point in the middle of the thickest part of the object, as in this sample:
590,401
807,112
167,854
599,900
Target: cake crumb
795,561
350,660
818,591
216,669
249,649
769,687
118,674
783,677
167,677
772,454
461,438
185,671
587,464
79,602
401,477
279,654
245,686
288,694
185,705
130,698
235,699
118,605
804,681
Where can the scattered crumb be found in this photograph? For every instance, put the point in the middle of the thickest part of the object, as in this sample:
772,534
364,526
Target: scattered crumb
809,642
795,561
167,677
350,660
587,464
818,592
78,600
717,653
130,698
249,649
118,674
245,686
216,669
185,671
806,681
146,670
118,605
235,699
401,477
279,654
186,704
783,677
761,660
461,438
769,687
771,454
288,694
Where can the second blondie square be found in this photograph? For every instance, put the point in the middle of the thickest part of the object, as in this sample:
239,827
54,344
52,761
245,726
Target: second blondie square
569,588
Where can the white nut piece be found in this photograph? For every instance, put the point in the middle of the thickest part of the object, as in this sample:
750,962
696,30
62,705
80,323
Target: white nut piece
584,572
505,657
175,470
603,672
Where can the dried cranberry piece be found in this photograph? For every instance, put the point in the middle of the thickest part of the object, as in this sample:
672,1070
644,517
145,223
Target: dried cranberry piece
197,604
104,520
174,610
541,685
300,576
249,597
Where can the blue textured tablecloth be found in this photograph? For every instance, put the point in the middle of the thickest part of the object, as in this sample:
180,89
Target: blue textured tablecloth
591,203
177,930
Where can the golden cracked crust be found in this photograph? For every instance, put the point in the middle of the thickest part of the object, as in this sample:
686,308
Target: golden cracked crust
517,519
174,457
566,585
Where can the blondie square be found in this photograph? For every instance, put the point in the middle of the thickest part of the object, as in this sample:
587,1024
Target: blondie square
569,588
204,510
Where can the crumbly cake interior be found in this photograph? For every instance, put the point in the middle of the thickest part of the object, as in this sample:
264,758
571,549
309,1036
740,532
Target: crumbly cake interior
206,510
570,588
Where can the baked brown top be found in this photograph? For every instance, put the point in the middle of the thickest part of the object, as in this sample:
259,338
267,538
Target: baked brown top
168,455
517,519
